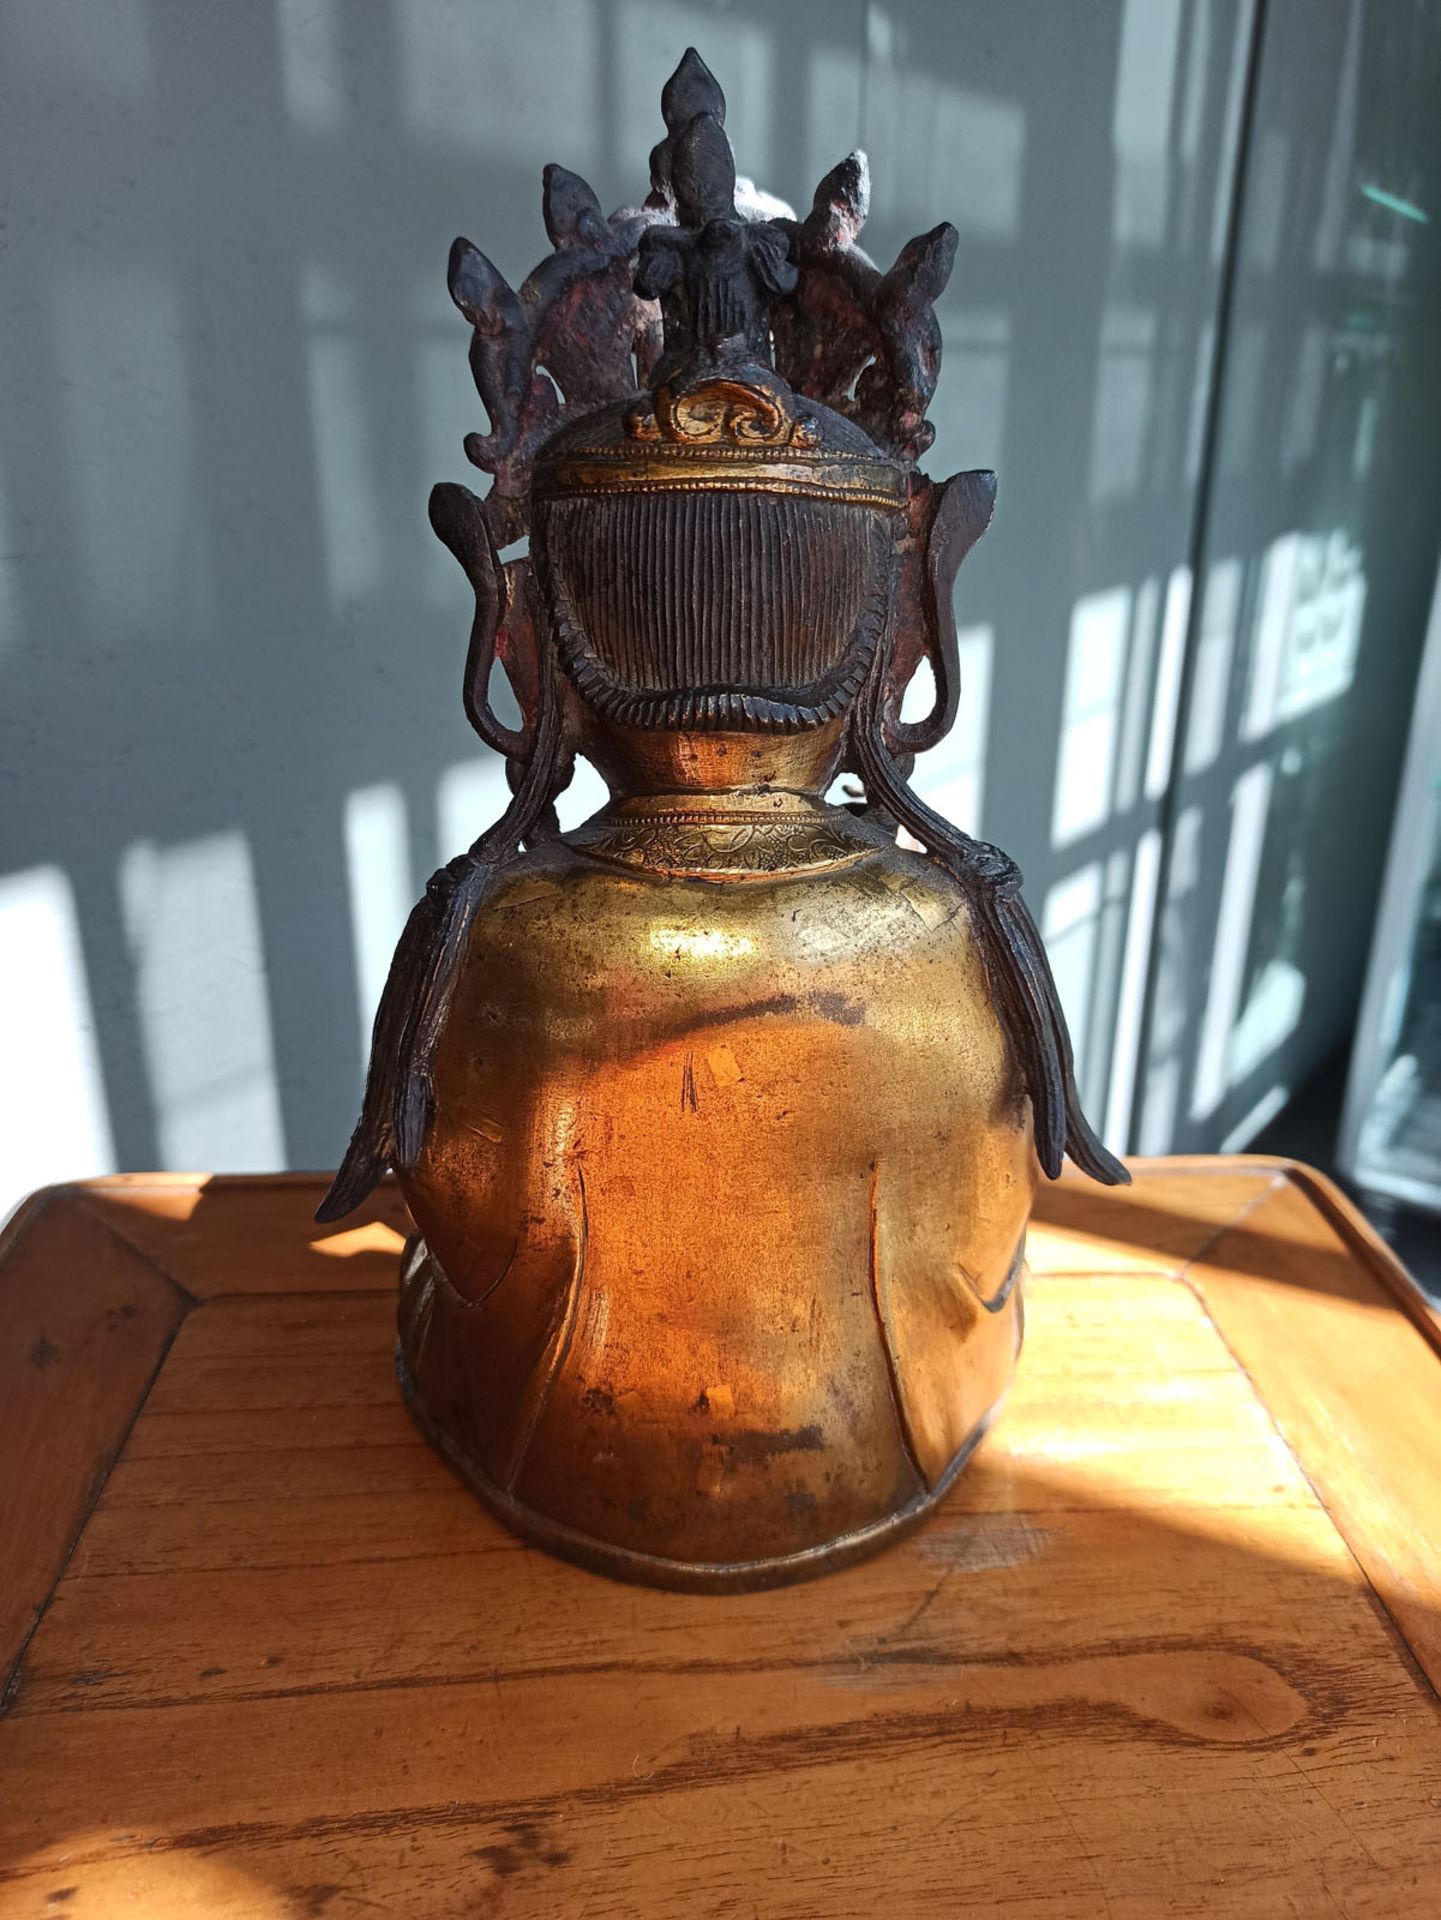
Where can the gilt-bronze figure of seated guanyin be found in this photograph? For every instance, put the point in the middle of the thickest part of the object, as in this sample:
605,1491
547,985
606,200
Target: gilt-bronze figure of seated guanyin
720,1116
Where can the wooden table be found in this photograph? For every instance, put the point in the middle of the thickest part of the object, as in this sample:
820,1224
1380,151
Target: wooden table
1171,1647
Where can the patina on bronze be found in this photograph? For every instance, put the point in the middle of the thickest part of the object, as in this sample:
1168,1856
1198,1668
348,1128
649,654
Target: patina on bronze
719,1117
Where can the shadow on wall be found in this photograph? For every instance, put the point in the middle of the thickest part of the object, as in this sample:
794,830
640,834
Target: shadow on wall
1316,574
231,372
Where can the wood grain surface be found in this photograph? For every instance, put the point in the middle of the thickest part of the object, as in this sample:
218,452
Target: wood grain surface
1171,1646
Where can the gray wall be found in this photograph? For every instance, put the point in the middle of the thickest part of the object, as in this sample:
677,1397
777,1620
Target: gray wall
1316,570
233,741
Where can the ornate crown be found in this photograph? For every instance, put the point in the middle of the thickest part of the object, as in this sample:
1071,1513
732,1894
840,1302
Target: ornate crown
623,304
